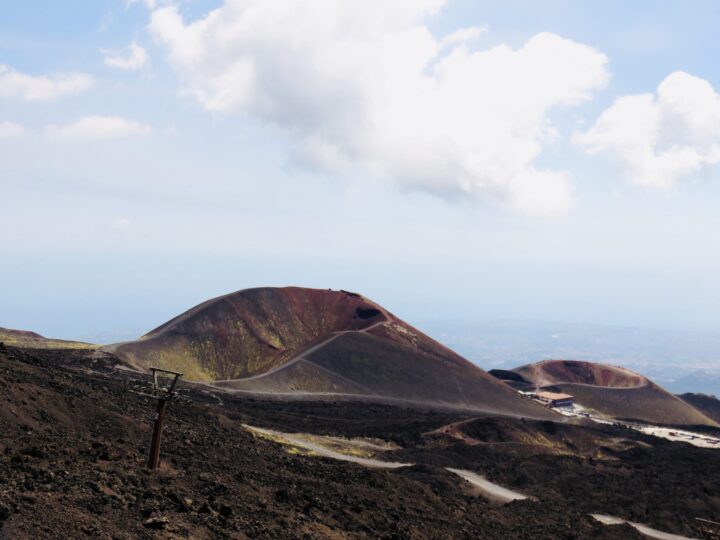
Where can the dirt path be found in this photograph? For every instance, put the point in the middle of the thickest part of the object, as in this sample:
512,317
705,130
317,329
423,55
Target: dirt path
302,442
486,488
489,490
289,363
303,355
644,529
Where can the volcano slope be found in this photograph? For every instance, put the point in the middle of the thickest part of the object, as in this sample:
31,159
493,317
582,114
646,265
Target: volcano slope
27,339
614,391
74,435
308,342
708,405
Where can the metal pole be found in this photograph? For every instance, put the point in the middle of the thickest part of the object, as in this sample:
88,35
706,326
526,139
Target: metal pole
154,458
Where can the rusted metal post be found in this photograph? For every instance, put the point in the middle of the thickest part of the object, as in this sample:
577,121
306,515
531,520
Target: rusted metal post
164,393
154,458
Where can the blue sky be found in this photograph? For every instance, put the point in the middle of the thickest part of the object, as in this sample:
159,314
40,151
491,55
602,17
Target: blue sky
558,161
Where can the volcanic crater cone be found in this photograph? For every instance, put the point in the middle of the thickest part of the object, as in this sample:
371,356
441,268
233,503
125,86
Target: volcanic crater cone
295,341
612,390
708,405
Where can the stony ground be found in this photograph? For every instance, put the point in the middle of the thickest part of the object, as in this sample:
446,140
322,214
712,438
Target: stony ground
74,434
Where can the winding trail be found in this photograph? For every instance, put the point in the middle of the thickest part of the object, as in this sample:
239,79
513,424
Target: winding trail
644,529
302,442
487,489
303,355
490,490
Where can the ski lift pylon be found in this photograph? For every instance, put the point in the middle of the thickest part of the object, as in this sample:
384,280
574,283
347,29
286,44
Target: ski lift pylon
164,382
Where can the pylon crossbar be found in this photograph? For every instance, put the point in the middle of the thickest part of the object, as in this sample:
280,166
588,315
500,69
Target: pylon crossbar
160,375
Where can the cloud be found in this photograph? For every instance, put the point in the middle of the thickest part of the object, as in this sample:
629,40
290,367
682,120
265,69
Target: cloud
663,137
153,4
463,36
366,88
150,4
98,127
14,84
11,130
122,224
135,58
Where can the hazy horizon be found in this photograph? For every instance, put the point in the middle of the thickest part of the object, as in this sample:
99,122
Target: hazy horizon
679,360
147,315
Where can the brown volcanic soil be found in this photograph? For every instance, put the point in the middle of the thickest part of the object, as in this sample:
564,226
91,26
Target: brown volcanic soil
613,391
363,364
308,341
28,339
249,332
550,372
708,405
541,437
73,441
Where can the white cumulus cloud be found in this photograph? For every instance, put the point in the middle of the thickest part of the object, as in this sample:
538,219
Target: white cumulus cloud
663,137
98,127
366,87
14,84
11,130
131,60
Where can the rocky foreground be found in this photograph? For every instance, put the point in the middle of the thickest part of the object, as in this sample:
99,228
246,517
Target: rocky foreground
74,433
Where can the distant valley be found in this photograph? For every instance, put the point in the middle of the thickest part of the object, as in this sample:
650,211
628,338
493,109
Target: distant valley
680,361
